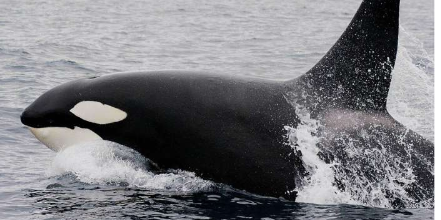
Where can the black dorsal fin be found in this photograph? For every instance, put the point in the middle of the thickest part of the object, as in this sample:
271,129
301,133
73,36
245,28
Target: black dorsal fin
356,71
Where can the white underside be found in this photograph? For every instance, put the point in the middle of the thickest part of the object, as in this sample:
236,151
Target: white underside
59,138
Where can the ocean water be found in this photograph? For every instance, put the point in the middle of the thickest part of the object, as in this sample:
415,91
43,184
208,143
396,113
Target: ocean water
45,43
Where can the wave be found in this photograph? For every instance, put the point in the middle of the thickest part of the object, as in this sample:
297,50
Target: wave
103,162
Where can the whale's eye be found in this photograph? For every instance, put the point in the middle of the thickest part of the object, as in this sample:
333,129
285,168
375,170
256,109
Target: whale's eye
98,113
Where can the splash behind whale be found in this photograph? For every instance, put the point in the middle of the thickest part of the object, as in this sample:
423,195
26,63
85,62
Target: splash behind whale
232,129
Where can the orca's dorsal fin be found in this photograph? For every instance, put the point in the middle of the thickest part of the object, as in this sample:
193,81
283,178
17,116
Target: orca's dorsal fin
356,72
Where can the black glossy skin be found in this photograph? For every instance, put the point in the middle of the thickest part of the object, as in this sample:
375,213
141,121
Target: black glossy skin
231,130
356,72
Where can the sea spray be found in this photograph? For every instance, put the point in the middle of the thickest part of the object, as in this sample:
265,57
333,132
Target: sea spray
411,94
318,187
103,162
355,167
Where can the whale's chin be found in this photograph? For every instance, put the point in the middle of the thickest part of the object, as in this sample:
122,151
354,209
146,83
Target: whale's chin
59,138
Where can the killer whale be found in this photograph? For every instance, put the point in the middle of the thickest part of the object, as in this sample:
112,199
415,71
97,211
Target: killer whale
231,129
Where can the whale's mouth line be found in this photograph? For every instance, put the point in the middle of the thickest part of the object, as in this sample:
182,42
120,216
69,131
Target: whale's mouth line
59,138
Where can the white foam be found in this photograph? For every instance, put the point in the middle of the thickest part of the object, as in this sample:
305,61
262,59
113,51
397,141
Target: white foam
103,162
318,187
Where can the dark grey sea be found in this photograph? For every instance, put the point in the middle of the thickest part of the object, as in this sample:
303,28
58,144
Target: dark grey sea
44,43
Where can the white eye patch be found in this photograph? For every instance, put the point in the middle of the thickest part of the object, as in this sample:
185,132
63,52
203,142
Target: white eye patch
97,112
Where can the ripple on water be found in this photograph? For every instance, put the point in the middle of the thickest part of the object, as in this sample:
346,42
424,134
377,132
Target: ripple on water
46,43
